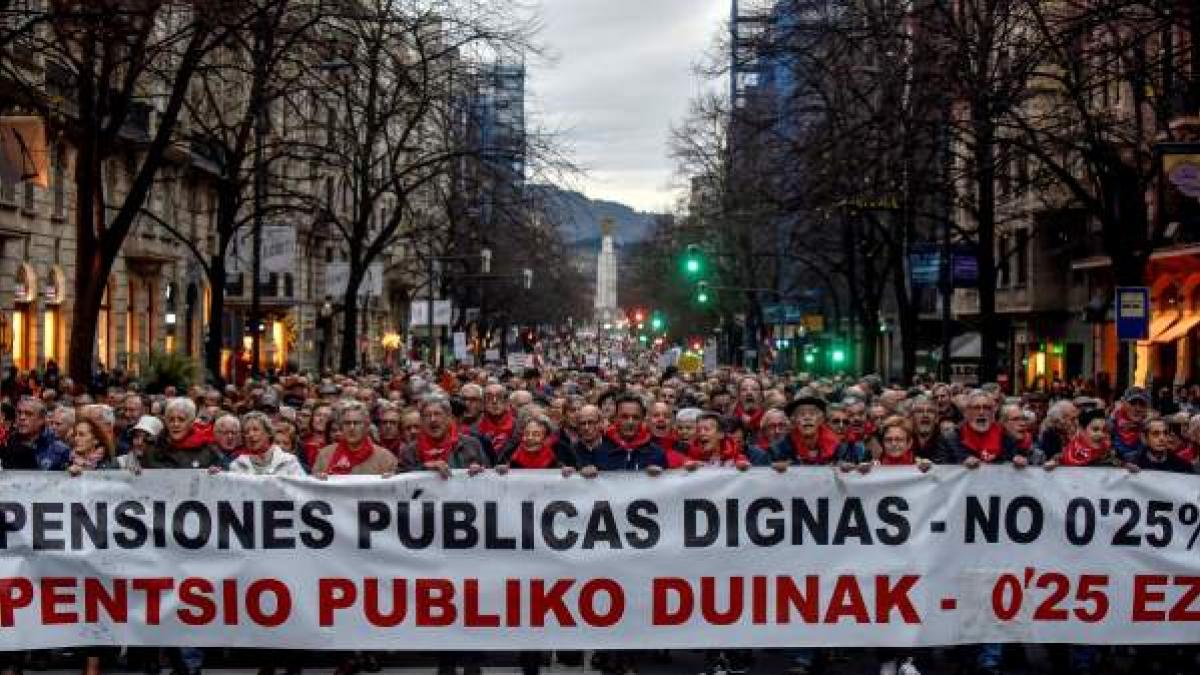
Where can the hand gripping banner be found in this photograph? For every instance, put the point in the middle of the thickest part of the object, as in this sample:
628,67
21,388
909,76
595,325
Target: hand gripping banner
812,557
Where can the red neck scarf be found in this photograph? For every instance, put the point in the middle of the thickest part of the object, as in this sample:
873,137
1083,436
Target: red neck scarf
200,436
431,450
726,454
667,442
1129,431
346,458
905,458
751,421
1026,442
1080,451
986,446
540,458
825,450
497,431
643,437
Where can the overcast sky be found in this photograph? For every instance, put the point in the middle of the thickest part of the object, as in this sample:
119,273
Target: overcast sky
623,74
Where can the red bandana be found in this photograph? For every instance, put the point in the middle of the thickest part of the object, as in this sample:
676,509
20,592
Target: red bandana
345,458
827,444
541,458
200,436
727,454
498,432
1079,452
1129,431
905,458
429,450
752,421
668,442
986,446
643,437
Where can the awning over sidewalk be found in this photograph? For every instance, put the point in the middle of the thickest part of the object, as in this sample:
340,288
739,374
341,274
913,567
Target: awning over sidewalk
1178,329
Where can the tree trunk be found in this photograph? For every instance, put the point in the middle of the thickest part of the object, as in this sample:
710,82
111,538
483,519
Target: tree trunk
91,269
989,330
214,339
906,314
348,359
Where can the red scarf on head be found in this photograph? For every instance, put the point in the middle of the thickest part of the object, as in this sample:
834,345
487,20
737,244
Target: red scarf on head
826,450
986,446
643,437
541,458
200,436
1128,431
430,450
497,432
346,458
751,421
908,457
1080,451
728,453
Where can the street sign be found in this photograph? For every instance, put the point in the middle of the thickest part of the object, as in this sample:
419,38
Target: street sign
1133,313
781,314
418,314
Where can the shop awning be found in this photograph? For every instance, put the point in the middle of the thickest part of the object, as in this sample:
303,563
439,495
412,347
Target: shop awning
1161,323
1178,329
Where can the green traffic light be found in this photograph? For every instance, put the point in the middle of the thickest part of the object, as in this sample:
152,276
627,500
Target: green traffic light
839,355
702,298
656,323
810,359
693,265
642,338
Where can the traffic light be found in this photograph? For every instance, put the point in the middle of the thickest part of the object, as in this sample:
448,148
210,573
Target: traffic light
838,355
693,261
656,322
702,293
639,316
810,358
642,339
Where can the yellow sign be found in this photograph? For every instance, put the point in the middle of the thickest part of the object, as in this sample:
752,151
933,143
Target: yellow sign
813,323
691,362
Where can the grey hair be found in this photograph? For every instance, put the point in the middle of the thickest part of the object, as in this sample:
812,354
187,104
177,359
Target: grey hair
226,418
66,410
252,417
539,419
688,415
439,400
352,406
183,404
1055,412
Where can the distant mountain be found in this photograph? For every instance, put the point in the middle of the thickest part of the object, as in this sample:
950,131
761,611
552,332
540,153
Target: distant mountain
579,217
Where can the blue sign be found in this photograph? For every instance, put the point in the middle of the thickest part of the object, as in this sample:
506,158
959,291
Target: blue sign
782,314
925,265
1133,313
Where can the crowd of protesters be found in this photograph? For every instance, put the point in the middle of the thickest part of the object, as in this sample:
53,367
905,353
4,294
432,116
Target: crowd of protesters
584,422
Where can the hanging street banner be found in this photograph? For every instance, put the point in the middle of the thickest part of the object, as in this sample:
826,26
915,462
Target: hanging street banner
810,557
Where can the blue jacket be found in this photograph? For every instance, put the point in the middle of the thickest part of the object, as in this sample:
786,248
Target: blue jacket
608,456
45,452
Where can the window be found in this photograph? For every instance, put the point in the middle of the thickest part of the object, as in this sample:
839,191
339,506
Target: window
27,201
59,186
1004,264
1022,257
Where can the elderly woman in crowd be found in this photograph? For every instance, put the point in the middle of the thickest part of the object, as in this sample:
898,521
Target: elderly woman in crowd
187,444
261,456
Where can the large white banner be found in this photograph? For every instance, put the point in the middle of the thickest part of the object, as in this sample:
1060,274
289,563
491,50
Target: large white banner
715,558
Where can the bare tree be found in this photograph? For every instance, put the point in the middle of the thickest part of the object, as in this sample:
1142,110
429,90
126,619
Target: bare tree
404,65
103,59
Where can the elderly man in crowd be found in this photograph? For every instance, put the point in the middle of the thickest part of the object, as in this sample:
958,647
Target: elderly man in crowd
33,445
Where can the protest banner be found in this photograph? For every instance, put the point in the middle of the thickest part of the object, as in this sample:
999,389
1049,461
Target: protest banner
811,557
